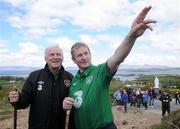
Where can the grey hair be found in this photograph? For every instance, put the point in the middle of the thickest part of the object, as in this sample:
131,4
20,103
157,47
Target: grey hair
76,46
53,46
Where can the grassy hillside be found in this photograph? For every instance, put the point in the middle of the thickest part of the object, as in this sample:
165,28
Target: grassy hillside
170,122
6,85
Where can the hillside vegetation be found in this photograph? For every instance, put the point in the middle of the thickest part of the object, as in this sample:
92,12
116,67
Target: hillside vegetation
170,122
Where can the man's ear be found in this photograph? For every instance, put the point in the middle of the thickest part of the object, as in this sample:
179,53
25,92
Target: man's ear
45,58
73,59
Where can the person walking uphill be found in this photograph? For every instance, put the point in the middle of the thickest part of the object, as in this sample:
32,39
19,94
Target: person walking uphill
177,98
125,100
165,98
45,90
89,93
117,96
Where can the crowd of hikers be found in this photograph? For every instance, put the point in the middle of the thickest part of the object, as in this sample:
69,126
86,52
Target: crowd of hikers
139,97
136,97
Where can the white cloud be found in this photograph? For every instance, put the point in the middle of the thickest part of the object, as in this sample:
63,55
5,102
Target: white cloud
46,17
167,39
97,15
18,59
16,22
112,40
17,2
64,42
102,46
41,17
28,48
3,43
29,54
91,41
3,48
161,60
165,10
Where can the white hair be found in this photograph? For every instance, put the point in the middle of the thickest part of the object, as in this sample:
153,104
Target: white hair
53,46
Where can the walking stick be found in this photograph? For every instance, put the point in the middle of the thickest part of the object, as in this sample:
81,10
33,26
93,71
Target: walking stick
15,110
15,117
67,119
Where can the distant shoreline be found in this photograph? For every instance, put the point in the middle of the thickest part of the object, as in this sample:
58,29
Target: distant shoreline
122,74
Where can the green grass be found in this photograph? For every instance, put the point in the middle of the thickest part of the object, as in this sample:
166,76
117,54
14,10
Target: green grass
6,109
2,82
115,85
5,114
169,122
6,88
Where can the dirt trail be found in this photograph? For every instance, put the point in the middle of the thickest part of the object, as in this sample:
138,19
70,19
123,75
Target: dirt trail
134,119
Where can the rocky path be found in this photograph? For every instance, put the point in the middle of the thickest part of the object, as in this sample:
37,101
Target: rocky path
136,118
157,107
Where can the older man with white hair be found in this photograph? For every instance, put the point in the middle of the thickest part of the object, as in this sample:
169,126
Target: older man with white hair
44,90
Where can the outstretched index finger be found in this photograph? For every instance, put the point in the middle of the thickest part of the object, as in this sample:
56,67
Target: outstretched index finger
141,16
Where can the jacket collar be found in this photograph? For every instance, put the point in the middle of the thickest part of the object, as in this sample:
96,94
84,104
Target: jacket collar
61,70
86,71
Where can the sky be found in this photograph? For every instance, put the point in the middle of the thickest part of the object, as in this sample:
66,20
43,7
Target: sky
27,27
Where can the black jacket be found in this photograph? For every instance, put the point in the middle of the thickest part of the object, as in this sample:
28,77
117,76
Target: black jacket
45,95
165,98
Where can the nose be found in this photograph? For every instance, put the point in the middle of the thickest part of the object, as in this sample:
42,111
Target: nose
83,56
57,56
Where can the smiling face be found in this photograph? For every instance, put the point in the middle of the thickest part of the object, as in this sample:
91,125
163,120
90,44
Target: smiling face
54,58
82,57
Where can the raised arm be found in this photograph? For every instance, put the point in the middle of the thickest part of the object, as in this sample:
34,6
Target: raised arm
138,27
